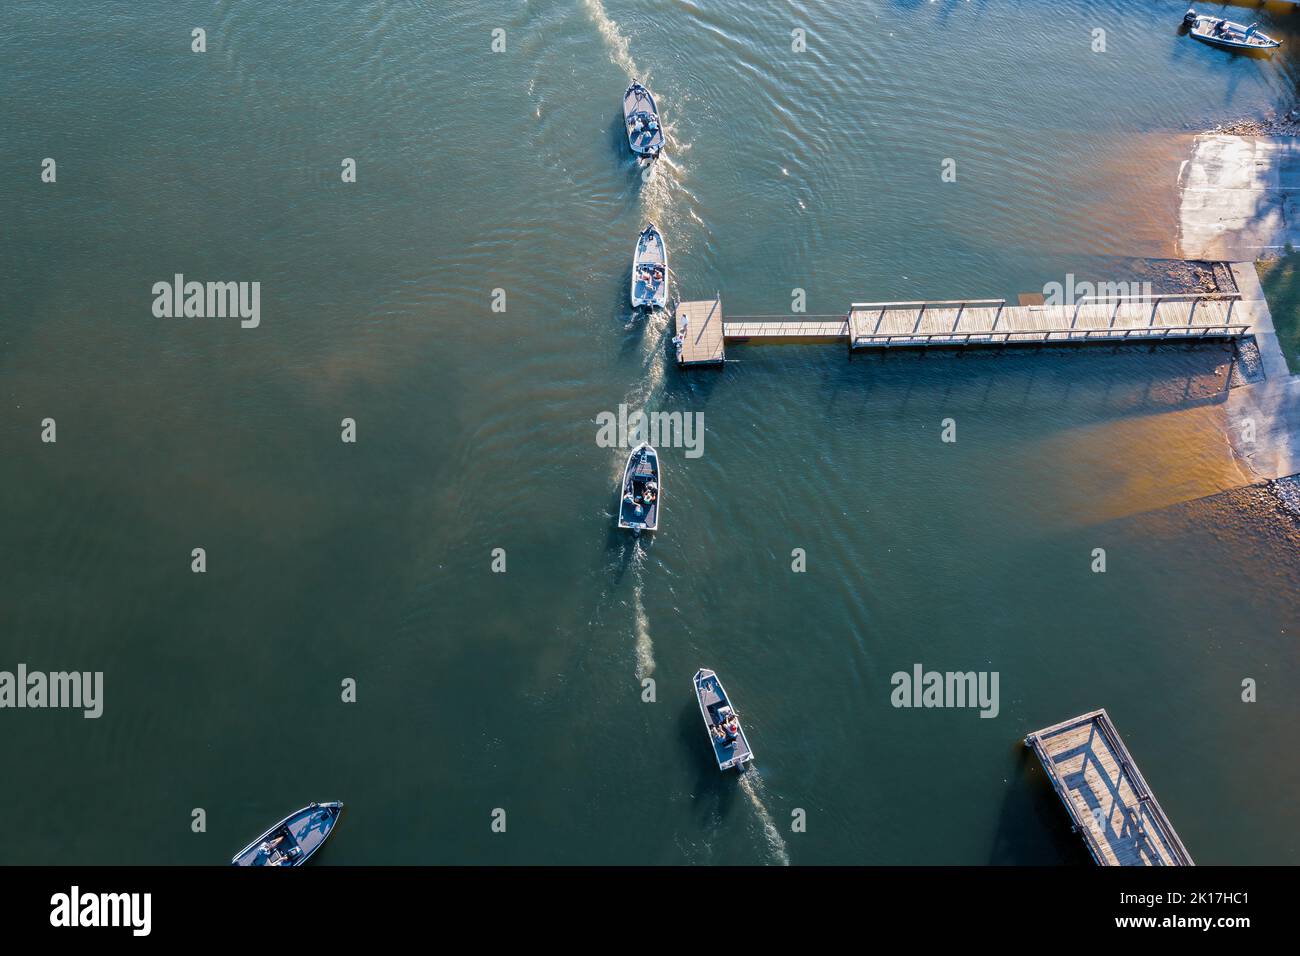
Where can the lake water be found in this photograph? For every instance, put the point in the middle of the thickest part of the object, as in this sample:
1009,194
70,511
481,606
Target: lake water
476,430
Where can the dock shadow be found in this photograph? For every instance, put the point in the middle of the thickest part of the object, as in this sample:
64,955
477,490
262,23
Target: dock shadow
1033,827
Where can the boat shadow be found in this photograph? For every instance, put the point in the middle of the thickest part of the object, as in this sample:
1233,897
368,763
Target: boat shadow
715,791
624,549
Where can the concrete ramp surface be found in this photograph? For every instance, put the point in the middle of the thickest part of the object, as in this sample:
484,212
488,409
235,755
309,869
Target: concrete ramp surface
1238,197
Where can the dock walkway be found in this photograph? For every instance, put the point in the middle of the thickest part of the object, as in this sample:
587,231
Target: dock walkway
993,322
1105,793
972,322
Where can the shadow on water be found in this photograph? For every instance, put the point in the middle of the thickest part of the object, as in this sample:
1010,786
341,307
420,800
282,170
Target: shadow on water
1033,826
714,791
622,548
1113,381
690,387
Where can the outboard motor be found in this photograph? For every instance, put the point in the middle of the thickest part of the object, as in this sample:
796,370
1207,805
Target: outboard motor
1189,17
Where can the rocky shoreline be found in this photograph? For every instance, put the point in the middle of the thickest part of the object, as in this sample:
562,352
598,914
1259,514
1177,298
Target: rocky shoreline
1273,124
1287,493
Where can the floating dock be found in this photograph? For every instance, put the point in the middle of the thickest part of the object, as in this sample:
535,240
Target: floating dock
1109,801
699,326
971,322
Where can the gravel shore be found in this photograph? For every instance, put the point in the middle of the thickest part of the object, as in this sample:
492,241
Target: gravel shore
1284,124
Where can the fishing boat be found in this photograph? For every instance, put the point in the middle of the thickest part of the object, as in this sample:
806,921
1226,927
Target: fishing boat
641,496
650,270
1226,33
641,120
293,840
730,745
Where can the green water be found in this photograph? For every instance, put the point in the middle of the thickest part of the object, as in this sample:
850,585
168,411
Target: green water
476,430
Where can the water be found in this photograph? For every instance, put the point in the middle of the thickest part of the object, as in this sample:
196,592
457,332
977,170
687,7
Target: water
476,431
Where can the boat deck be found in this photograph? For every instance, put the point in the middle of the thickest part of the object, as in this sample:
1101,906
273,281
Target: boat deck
1090,768
738,751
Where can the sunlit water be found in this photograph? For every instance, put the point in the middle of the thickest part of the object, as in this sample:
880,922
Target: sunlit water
479,171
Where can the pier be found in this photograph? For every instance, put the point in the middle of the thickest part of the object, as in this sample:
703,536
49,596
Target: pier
1108,800
993,322
971,322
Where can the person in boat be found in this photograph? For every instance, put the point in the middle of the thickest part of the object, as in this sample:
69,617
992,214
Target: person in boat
1250,31
270,845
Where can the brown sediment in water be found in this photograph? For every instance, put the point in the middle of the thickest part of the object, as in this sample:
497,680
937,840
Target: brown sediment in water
1251,518
1132,465
1133,182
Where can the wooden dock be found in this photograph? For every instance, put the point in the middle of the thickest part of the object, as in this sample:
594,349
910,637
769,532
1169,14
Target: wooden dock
993,322
804,329
971,322
699,328
1105,793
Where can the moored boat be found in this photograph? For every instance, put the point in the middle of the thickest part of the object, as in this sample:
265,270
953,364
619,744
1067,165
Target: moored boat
730,745
1227,33
641,121
641,495
650,270
293,840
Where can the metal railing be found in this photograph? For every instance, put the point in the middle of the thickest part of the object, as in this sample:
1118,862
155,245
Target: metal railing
1034,336
1187,329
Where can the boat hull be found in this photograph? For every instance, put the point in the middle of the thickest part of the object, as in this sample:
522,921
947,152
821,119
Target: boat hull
1202,28
305,830
711,697
650,253
642,466
645,136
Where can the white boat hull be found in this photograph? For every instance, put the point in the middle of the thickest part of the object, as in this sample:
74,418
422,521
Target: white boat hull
1233,37
649,255
635,513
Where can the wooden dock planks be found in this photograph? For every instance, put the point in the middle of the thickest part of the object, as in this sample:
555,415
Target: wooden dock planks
699,324
970,322
1105,793
993,322
805,329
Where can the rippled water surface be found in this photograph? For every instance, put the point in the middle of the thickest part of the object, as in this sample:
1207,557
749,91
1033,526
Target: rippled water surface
477,171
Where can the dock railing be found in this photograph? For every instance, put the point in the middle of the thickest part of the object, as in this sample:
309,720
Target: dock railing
1020,328
1149,812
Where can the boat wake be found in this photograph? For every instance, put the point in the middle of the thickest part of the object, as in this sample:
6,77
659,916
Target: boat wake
620,50
645,648
752,784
